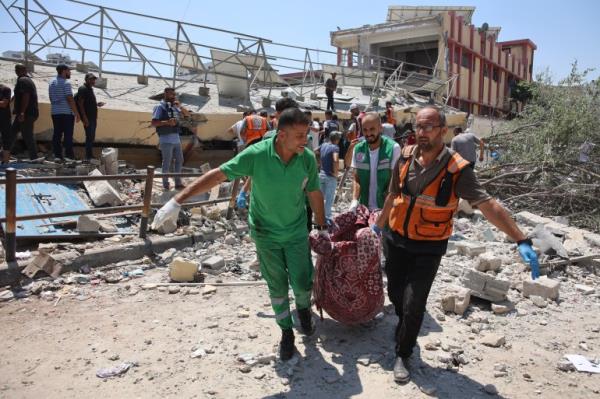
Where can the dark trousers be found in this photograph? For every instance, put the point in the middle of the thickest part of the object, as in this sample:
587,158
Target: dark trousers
329,94
409,280
90,136
26,129
63,135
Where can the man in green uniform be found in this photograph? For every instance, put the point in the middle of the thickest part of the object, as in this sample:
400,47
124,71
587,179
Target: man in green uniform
282,173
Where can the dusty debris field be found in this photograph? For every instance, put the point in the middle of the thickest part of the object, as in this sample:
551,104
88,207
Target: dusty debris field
221,343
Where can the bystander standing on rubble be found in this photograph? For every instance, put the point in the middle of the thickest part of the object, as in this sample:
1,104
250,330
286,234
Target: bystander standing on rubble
330,88
26,111
165,118
64,113
282,171
389,130
236,130
329,156
427,183
5,94
254,128
465,144
373,159
88,111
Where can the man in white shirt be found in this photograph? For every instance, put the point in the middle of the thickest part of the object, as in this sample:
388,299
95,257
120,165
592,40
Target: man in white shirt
236,129
373,161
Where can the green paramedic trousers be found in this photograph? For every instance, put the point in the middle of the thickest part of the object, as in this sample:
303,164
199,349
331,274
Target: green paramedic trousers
280,263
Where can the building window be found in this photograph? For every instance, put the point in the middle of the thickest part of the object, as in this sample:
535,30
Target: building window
456,56
485,71
466,60
495,74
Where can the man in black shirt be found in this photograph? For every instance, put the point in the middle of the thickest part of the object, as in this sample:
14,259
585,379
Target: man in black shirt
330,88
5,93
25,110
88,110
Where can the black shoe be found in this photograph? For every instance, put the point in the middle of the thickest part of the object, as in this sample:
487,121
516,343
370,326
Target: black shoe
401,374
306,322
286,346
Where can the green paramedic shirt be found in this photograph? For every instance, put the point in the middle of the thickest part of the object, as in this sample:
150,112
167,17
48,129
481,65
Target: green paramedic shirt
277,200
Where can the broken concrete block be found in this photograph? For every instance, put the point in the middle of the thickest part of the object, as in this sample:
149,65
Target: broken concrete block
531,219
87,224
101,192
183,270
547,242
538,301
469,248
209,290
213,264
45,263
502,307
107,226
585,289
456,300
485,286
488,261
542,286
493,340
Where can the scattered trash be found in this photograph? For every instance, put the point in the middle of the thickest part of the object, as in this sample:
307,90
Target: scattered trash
583,364
134,273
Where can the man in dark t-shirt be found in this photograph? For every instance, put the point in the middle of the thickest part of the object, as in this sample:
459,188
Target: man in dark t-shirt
5,94
330,88
88,110
25,110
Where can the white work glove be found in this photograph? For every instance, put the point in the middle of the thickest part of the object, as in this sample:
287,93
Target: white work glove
353,206
168,213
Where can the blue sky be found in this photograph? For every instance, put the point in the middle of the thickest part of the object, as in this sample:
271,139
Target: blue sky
563,31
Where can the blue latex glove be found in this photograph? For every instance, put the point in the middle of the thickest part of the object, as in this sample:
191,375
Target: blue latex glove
529,256
242,200
377,230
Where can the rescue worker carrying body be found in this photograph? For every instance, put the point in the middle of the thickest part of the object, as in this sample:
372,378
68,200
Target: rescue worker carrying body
426,185
373,160
253,129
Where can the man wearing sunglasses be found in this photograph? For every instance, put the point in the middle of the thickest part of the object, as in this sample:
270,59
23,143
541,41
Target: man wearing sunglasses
426,185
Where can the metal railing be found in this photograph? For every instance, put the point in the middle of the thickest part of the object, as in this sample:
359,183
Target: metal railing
11,219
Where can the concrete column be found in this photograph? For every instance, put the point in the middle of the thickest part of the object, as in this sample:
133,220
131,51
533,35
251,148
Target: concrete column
339,56
350,62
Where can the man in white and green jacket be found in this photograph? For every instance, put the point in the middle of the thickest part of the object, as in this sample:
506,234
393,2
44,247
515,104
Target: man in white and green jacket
373,161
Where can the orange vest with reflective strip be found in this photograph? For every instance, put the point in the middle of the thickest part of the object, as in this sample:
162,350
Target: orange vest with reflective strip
427,216
389,113
256,127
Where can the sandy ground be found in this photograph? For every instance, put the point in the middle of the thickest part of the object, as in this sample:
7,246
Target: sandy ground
53,349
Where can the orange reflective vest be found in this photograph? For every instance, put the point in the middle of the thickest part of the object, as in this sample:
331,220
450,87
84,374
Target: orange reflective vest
389,114
256,127
427,216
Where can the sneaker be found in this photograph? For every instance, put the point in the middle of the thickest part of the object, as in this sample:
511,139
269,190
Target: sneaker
286,346
307,325
401,373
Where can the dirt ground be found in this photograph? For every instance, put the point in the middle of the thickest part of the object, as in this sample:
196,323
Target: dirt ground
53,349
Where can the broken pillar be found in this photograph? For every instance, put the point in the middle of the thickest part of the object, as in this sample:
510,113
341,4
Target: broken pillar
101,192
485,286
542,286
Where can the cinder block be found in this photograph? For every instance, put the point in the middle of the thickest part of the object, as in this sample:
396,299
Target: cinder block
142,79
213,264
456,300
542,286
203,91
183,270
87,224
485,286
469,248
488,261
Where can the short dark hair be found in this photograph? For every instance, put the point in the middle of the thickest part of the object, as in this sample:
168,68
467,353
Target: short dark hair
20,67
458,129
334,117
292,116
441,114
308,113
264,114
285,103
329,112
169,89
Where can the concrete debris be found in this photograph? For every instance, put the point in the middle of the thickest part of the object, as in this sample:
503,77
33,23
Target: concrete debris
209,290
502,308
6,295
87,224
493,340
101,192
183,270
45,263
213,264
470,249
457,300
488,261
538,301
585,289
542,286
485,286
547,242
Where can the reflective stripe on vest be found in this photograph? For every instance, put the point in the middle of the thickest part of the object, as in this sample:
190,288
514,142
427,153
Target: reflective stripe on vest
256,127
427,216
